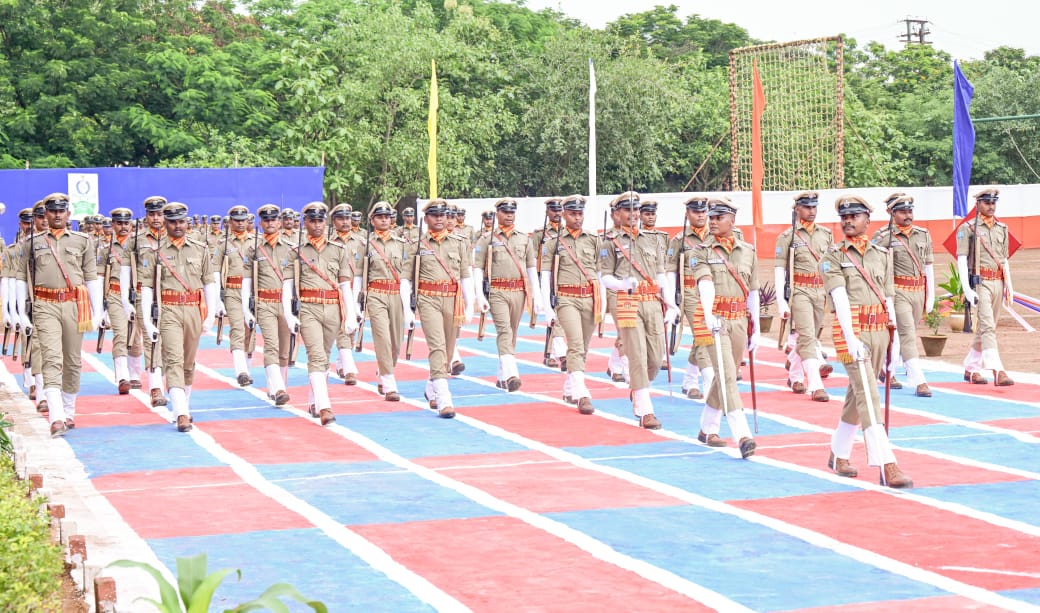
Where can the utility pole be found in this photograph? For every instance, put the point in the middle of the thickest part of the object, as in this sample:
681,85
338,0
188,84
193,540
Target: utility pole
916,31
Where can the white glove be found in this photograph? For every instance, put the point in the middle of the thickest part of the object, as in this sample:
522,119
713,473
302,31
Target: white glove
246,295
929,301
857,349
671,314
293,323
550,316
26,325
221,309
779,280
482,303
152,331
753,342
249,319
129,310
896,358
207,324
970,296
929,292
350,326
712,322
104,321
409,319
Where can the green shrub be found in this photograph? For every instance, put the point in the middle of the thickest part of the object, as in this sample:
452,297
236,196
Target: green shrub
31,566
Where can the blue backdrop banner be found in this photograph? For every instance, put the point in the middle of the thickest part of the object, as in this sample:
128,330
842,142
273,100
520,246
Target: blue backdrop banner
211,191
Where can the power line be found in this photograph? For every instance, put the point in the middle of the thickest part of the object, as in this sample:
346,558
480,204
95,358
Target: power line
916,31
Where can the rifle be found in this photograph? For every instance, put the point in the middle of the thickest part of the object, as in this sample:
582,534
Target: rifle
223,280
415,293
486,285
888,379
104,293
973,273
599,327
7,334
545,227
751,369
363,295
294,306
781,339
156,306
680,277
31,298
254,297
553,276
131,292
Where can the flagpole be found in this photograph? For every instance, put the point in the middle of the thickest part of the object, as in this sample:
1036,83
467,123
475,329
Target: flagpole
431,128
592,139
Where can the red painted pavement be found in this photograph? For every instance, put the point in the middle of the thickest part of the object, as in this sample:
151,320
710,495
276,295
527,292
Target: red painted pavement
283,441
560,425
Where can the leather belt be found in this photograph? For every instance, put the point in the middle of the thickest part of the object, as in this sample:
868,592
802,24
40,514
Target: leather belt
909,283
512,285
384,286
646,291
689,281
804,280
990,274
438,288
56,295
233,283
113,286
872,317
319,296
575,291
269,295
192,298
729,307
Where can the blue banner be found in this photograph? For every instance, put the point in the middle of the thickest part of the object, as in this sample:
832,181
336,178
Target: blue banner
963,141
210,191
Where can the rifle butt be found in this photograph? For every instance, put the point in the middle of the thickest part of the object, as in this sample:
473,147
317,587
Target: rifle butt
100,339
220,329
480,327
408,343
292,349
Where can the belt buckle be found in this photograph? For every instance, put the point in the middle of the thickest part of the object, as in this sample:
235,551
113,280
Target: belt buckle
872,319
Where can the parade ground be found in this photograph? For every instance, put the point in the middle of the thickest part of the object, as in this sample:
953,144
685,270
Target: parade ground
521,504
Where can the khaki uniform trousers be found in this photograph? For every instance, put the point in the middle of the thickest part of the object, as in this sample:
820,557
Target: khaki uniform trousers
644,344
698,354
507,307
807,304
386,319
60,344
236,322
991,293
733,338
271,320
437,317
139,337
909,309
180,327
35,355
120,327
576,319
320,325
855,408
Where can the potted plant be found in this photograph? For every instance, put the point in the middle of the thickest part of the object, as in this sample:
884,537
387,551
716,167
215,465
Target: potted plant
935,342
767,298
955,297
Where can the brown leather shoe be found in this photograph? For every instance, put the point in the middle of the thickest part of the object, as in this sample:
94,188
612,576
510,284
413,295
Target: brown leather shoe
58,428
244,379
379,388
649,422
432,401
70,423
787,364
585,406
892,383
41,406
894,478
711,440
124,387
392,397
32,392
313,410
280,398
512,384
446,412
457,368
341,373
975,377
825,370
923,391
841,467
693,393
820,395
135,384
158,400
563,364
552,363
184,423
797,387
1003,380
616,377
326,417
747,447
350,379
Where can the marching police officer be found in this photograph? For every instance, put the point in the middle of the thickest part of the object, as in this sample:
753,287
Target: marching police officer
513,280
539,237
857,275
569,280
147,238
384,302
408,231
60,277
232,265
272,257
988,241
632,264
681,248
726,270
322,280
126,351
444,297
352,240
802,246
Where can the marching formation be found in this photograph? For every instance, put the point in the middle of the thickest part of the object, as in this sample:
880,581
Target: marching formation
318,277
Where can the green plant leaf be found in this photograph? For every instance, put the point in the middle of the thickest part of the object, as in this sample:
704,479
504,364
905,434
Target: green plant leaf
203,594
170,602
271,600
191,570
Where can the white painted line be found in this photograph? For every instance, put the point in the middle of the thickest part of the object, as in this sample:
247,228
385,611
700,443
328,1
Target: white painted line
993,571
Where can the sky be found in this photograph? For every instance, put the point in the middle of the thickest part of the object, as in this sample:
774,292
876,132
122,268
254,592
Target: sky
962,29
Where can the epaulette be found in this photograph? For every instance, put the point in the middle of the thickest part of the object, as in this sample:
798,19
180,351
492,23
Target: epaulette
458,237
79,234
398,238
194,241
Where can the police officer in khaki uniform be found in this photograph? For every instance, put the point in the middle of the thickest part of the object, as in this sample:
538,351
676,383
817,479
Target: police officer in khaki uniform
857,275
178,273
408,230
273,258
993,281
382,295
61,269
681,247
510,257
31,342
539,237
12,261
232,264
289,229
461,227
726,270
632,264
487,220
326,303
355,225
445,297
913,262
617,363
572,296
353,242
451,224
804,243
146,239
125,350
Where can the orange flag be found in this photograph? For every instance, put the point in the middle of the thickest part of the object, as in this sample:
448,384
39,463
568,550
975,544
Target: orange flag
758,106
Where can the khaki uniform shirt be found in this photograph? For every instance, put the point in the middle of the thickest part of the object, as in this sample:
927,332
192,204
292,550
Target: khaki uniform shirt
454,251
354,245
645,252
708,261
274,264
839,271
808,249
997,238
503,265
75,252
409,234
583,247
394,250
919,243
332,261
190,260
235,255
117,257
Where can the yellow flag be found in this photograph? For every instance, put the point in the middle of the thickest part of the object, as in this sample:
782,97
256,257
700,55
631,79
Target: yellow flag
431,127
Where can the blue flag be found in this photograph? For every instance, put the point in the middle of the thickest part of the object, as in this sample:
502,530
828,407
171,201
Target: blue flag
963,141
